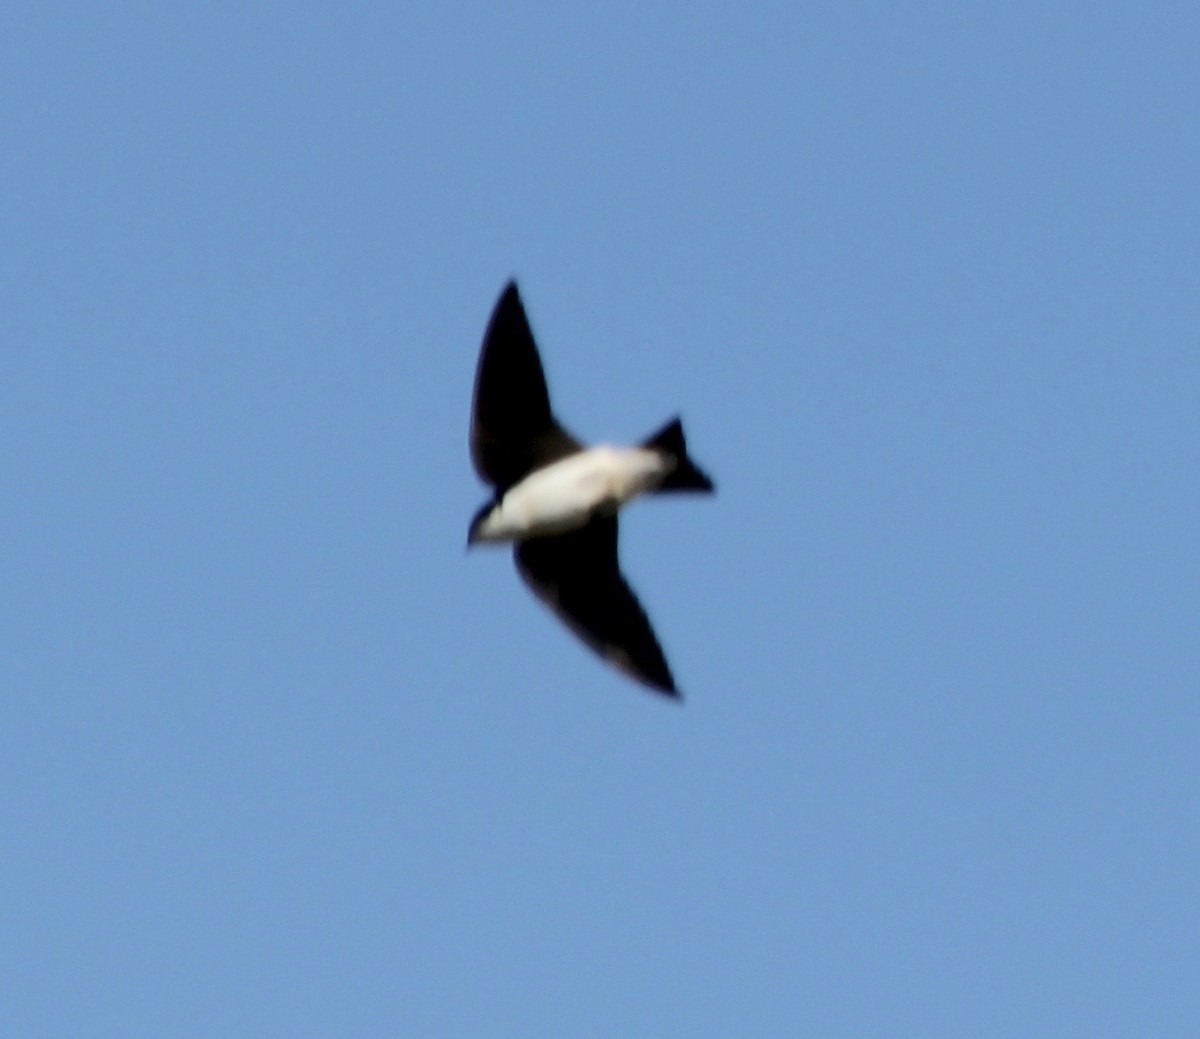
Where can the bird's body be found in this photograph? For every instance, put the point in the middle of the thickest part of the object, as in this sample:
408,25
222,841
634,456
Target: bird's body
557,500
564,495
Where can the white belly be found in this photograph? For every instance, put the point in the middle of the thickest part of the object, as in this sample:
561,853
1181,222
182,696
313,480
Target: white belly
563,496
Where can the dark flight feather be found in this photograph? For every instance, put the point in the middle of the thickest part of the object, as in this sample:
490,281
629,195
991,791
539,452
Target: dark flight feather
578,577
513,430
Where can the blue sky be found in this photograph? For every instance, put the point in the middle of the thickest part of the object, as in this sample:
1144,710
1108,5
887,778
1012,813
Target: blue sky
278,759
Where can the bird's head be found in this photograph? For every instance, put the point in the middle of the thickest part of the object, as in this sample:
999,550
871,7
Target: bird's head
480,529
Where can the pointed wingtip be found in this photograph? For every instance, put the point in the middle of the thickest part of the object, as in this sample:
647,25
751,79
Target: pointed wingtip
665,688
508,301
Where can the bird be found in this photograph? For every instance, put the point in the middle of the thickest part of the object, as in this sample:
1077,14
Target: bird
556,500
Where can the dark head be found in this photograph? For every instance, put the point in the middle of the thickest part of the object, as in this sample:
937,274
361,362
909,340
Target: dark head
477,522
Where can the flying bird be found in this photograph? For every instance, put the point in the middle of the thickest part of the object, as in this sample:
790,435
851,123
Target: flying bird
557,500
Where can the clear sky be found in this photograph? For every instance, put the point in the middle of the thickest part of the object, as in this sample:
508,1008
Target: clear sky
279,759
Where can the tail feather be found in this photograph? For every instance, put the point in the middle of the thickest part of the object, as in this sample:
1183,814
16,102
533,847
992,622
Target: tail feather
686,476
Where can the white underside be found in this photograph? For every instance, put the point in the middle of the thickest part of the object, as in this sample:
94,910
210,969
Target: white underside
563,496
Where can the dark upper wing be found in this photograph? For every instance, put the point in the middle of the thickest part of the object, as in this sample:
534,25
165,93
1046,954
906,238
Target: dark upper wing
577,576
512,428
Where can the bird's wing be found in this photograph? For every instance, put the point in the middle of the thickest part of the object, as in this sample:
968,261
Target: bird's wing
577,576
513,430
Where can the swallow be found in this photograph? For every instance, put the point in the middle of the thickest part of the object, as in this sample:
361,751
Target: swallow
557,501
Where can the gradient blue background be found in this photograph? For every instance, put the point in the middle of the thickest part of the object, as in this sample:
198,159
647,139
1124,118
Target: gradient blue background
277,759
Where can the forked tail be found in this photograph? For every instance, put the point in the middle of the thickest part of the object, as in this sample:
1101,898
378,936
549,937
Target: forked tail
686,476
